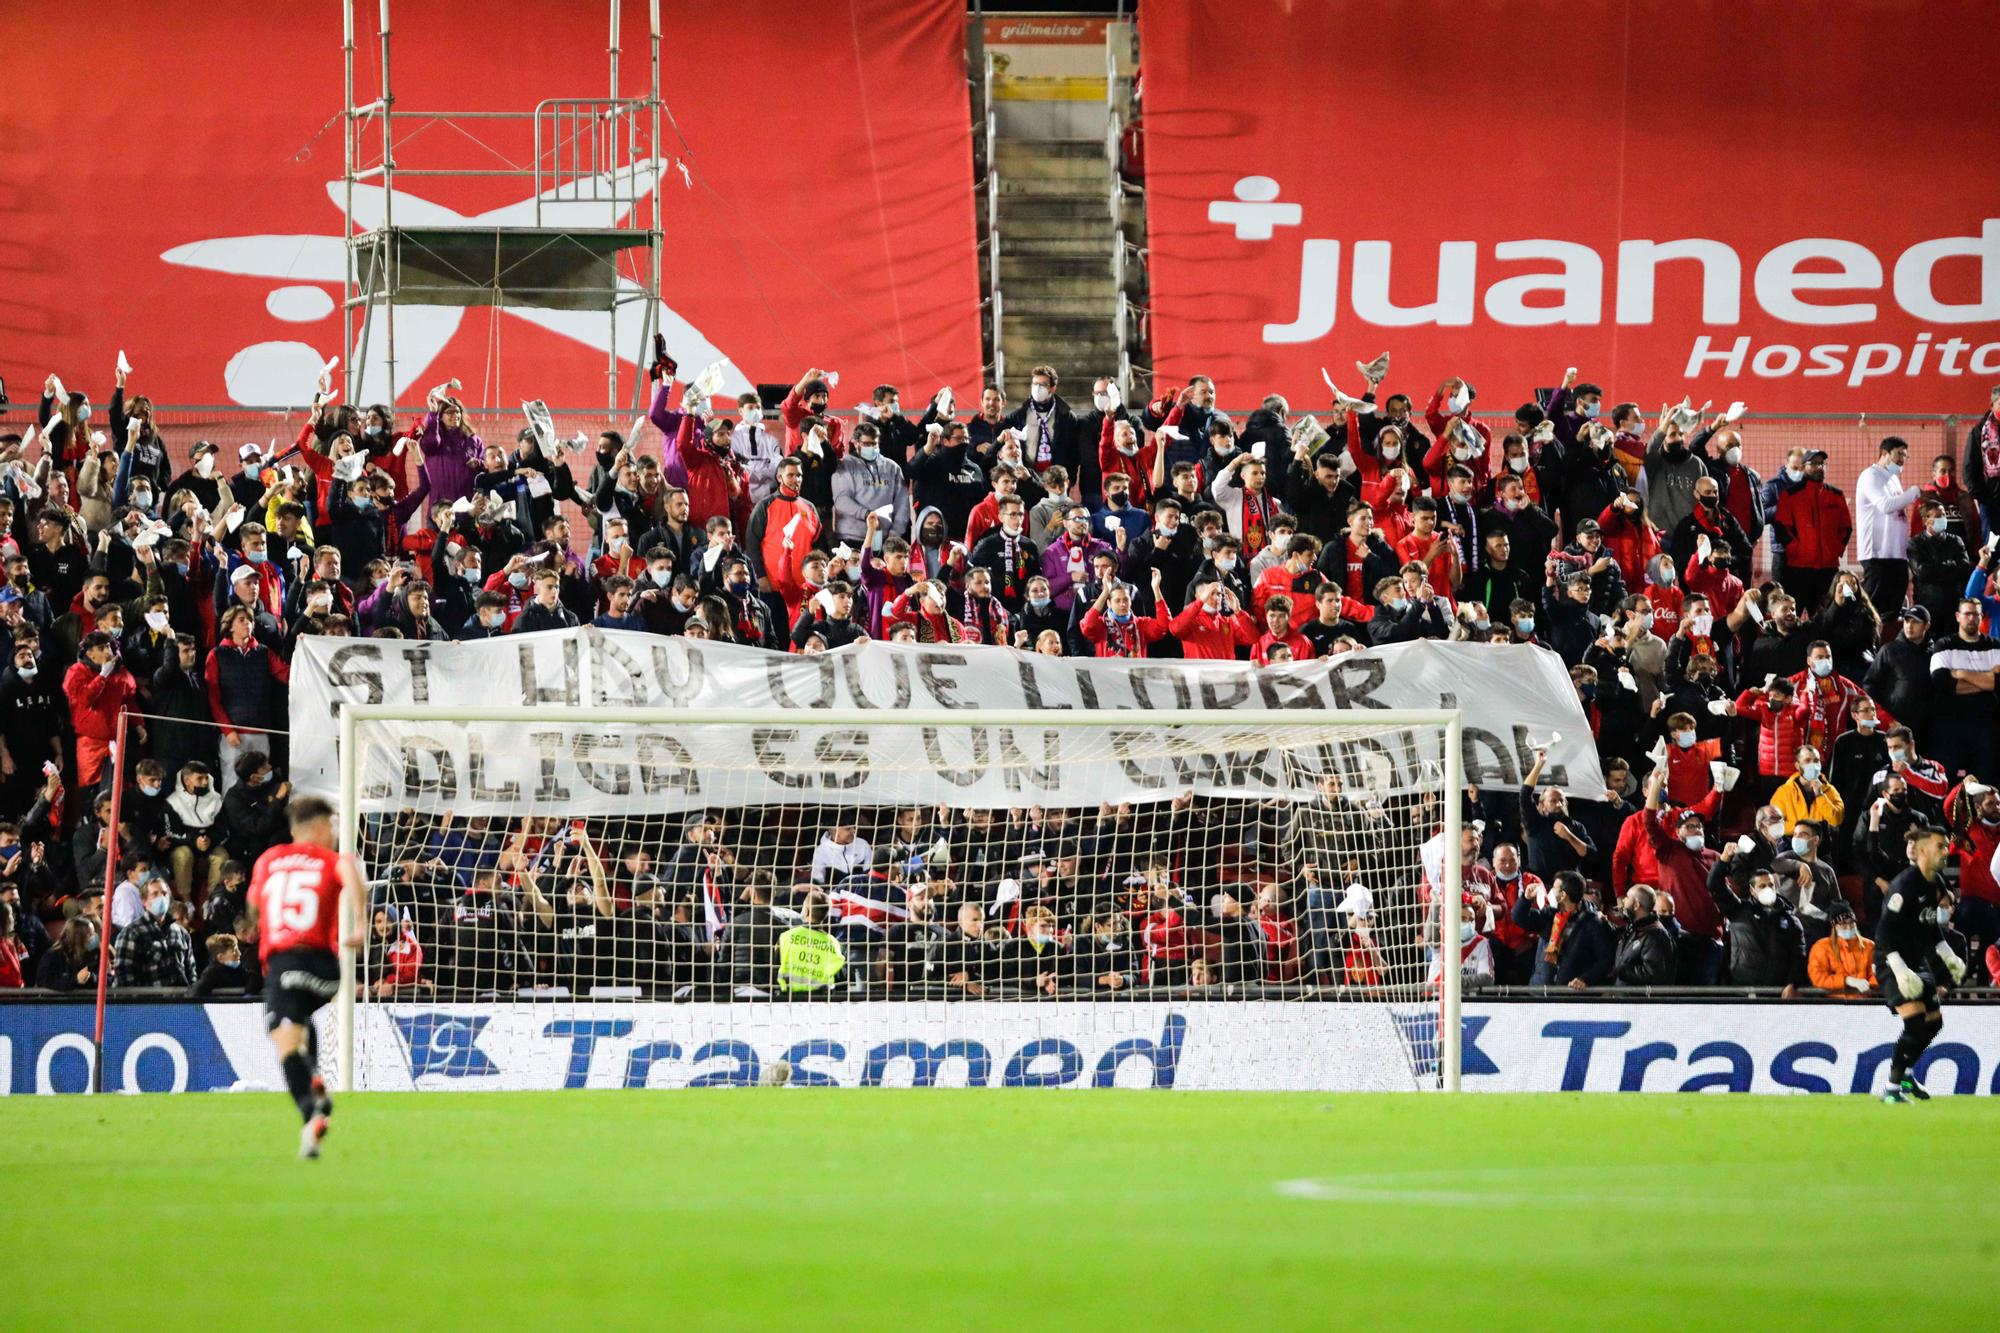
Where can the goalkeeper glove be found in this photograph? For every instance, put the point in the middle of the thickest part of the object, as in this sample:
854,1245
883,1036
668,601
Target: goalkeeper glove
1908,984
1952,962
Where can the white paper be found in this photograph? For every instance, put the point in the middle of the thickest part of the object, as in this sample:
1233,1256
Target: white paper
348,468
832,378
235,519
886,512
462,505
535,559
710,556
824,601
294,553
867,412
1257,450
61,393
1330,386
944,401
1111,522
97,439
402,441
709,383
538,486
1171,432
1627,679
541,423
1735,413
333,364
578,443
1746,844
146,538
1719,707
1009,892
124,366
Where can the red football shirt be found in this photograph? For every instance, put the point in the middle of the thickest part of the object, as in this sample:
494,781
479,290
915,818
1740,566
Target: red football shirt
296,887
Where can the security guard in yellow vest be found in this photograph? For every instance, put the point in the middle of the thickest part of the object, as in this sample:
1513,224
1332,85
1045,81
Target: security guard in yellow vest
809,959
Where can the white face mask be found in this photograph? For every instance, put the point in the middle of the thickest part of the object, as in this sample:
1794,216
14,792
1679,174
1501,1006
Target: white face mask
156,621
1392,452
1041,393
1518,463
1766,897
205,466
1846,932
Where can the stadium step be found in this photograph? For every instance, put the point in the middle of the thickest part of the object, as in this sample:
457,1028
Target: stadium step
1012,152
1064,242
1093,208
1033,305
1024,269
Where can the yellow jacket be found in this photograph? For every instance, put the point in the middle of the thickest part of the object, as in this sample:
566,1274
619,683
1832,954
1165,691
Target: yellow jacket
1791,801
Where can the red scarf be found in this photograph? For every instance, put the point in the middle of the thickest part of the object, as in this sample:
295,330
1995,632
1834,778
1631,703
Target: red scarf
1257,511
984,621
1124,640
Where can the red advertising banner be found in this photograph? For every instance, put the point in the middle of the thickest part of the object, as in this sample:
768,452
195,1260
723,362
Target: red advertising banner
1792,205
175,192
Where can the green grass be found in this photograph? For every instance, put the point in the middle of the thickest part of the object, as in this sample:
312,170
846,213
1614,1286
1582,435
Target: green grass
804,1208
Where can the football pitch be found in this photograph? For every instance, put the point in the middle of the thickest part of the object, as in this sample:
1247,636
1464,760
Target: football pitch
827,1208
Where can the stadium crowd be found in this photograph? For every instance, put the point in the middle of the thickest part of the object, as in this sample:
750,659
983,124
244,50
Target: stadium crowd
1769,742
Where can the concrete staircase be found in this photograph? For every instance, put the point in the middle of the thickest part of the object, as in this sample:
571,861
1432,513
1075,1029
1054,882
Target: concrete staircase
1058,243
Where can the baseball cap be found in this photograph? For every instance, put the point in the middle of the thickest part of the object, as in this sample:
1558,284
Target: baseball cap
1589,525
1816,455
8,595
1358,900
250,451
242,574
1917,613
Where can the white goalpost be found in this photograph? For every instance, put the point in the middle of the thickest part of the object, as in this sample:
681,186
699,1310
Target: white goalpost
576,897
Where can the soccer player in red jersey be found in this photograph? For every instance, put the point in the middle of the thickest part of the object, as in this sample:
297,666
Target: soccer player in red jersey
295,900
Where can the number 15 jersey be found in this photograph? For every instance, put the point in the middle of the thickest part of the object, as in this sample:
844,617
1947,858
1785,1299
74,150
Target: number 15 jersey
296,887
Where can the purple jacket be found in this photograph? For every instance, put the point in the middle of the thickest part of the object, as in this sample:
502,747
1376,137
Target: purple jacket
449,459
1055,568
882,589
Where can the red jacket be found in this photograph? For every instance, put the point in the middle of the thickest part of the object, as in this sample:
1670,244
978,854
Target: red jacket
1439,460
1632,860
1302,650
1279,580
1206,636
1815,522
1778,732
782,557
1826,706
1682,873
95,699
1630,541
794,410
1689,779
1129,639
1136,468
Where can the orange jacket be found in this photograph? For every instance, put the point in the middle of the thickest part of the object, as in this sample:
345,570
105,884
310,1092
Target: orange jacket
1833,960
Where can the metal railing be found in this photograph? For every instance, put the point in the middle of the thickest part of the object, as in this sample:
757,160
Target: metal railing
1123,324
993,297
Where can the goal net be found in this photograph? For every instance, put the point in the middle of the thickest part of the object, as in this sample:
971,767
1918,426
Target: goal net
566,898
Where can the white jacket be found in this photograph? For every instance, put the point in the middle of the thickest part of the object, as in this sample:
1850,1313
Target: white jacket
1882,514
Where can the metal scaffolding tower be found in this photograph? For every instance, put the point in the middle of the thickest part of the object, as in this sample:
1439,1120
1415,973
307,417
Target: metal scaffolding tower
595,160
